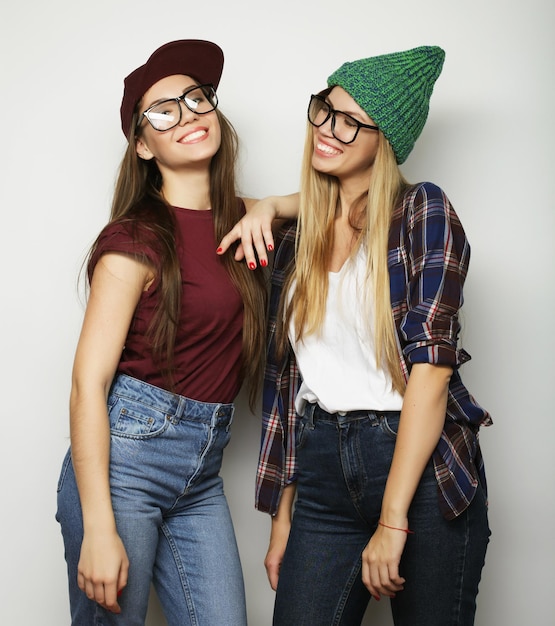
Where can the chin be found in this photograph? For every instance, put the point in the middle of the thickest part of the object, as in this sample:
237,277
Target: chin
323,167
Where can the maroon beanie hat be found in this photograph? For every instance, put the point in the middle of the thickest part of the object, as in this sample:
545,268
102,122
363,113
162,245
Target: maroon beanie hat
201,60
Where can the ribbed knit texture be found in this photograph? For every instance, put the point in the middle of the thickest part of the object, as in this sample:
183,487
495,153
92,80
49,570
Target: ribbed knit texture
394,90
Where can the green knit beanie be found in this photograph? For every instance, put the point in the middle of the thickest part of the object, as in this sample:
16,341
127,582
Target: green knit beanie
394,90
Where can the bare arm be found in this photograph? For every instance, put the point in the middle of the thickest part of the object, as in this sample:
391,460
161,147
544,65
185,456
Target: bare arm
255,230
420,427
281,525
116,286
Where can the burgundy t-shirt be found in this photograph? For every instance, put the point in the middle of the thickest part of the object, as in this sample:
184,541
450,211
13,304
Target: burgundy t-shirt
209,338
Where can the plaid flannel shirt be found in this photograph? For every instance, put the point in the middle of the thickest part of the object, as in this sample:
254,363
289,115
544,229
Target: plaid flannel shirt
428,256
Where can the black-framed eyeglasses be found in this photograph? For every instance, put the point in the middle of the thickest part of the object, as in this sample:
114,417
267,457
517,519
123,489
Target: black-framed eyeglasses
200,99
344,127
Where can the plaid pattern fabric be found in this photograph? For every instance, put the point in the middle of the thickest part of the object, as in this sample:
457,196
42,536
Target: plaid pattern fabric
428,261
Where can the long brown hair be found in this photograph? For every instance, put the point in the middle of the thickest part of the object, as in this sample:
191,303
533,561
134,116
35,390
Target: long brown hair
370,216
139,203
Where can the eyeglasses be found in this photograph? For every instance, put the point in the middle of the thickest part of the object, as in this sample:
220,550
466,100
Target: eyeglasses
343,126
167,114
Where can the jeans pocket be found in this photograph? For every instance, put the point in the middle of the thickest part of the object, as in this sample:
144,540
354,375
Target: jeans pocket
63,472
389,424
135,420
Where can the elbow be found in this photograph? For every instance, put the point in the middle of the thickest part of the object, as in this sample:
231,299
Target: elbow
432,375
86,388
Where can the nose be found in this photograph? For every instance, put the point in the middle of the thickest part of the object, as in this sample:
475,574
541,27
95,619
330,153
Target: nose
187,115
328,126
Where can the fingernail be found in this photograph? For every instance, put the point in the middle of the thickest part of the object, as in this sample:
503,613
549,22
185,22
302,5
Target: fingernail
263,262
120,592
219,250
252,265
270,247
377,598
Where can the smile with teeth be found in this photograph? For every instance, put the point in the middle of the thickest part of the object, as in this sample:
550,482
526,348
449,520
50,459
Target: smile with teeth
322,147
197,134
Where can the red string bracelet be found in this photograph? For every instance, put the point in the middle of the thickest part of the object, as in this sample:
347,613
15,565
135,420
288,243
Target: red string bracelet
403,530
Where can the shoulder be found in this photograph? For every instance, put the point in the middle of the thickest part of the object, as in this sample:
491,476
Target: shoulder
115,232
126,237
425,224
423,193
129,236
423,202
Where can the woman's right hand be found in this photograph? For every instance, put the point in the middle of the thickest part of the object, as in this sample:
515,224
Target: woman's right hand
281,527
103,568
254,231
276,550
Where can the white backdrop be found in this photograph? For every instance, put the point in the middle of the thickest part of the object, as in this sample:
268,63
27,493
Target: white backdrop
488,143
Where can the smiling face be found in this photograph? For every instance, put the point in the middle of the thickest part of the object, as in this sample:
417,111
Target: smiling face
192,143
348,162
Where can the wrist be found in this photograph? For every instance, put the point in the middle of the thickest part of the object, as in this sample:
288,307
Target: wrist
394,511
403,529
99,523
394,517
273,204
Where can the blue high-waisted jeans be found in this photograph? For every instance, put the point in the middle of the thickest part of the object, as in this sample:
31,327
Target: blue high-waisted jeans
344,461
170,510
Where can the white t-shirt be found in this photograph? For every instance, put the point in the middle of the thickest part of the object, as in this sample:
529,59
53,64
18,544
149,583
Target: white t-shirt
338,365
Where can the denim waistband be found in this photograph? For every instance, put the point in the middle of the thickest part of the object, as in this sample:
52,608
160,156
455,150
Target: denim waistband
314,411
174,405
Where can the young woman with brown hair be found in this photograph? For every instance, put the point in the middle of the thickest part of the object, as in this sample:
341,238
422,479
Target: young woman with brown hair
171,332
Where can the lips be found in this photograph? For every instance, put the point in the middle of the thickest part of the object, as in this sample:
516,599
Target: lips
326,149
194,136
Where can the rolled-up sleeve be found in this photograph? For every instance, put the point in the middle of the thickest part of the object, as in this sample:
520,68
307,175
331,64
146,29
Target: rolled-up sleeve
437,254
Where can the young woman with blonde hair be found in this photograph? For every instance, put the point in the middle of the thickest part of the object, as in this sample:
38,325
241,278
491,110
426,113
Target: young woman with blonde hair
369,434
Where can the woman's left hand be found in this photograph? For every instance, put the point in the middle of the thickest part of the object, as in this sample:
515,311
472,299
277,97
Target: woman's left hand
420,426
380,562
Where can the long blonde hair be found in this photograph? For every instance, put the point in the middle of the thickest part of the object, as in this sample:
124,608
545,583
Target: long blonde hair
370,216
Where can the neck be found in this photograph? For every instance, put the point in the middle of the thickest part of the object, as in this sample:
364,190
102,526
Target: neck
349,193
351,207
188,189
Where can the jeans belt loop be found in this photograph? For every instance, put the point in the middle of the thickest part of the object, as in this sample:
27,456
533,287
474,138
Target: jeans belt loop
310,413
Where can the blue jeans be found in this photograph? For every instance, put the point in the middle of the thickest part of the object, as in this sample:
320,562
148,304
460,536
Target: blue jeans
343,467
170,509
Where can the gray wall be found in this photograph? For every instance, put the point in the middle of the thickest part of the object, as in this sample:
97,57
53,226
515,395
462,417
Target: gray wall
488,144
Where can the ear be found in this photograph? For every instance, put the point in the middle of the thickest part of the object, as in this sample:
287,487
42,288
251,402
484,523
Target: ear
142,150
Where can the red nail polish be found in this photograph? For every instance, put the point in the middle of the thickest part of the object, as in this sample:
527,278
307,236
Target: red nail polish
219,250
120,592
252,265
270,247
263,262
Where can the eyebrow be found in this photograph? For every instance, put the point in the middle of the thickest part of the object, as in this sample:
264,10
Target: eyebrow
171,98
354,114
